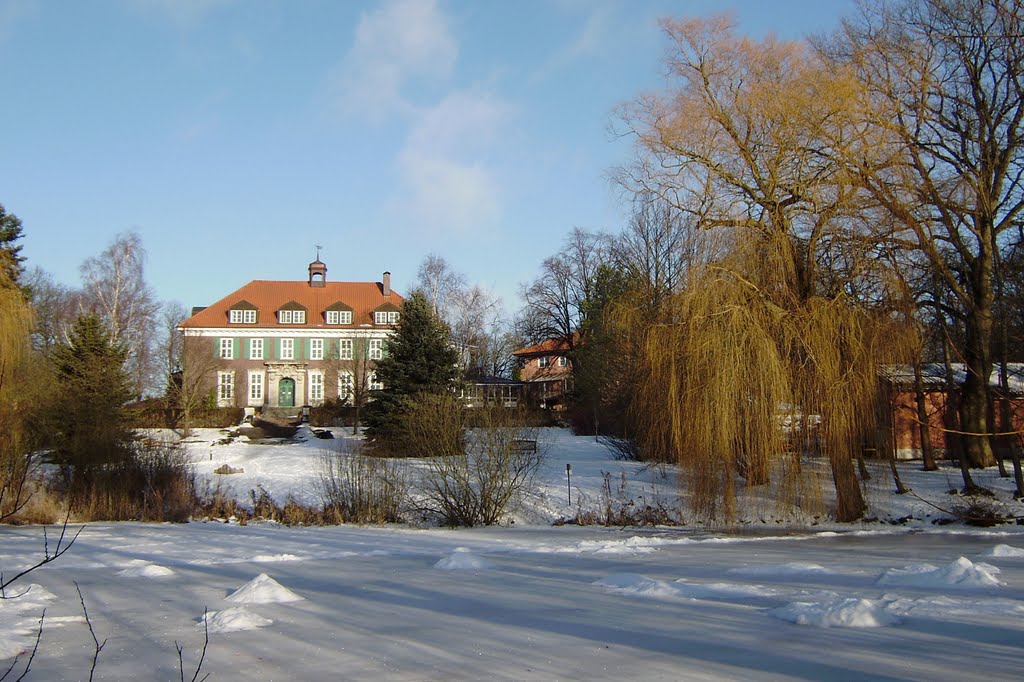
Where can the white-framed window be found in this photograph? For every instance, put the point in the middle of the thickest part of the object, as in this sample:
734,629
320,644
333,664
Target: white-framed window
543,361
339,317
256,388
563,361
242,317
375,385
345,349
385,317
225,388
287,349
316,349
227,349
255,349
346,385
376,349
291,316
316,388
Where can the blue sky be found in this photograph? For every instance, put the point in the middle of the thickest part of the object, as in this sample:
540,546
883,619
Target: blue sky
233,136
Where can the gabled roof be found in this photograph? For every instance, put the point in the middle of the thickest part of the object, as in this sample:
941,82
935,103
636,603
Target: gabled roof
546,347
933,376
268,296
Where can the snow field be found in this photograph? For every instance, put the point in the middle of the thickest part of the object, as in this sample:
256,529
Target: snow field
527,601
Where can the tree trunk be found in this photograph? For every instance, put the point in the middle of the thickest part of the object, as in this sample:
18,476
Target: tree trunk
849,500
974,401
1006,425
951,422
923,421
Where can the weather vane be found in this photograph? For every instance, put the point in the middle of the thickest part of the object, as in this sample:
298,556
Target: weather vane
318,247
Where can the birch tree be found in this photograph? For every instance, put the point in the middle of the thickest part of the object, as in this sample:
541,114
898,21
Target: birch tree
115,289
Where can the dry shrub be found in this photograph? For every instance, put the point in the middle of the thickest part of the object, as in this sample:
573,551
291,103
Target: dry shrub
617,507
155,483
357,488
217,504
473,476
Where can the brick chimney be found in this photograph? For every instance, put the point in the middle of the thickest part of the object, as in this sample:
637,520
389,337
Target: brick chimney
387,283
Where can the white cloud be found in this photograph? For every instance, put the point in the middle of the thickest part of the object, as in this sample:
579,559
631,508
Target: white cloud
446,182
403,41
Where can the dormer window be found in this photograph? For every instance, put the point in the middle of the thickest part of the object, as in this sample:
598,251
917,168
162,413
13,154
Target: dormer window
385,317
339,317
242,312
291,313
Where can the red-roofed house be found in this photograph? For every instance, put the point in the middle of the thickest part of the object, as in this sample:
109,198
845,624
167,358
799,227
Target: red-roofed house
292,343
546,371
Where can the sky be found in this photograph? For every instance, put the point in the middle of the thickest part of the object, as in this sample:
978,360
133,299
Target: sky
236,136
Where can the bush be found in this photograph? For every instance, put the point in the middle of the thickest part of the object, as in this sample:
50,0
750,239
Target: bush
357,488
332,413
154,482
473,476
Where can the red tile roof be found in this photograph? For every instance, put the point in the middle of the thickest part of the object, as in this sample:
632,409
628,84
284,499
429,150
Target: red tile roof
268,296
549,346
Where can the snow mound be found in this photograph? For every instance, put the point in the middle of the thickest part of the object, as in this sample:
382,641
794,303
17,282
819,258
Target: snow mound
848,612
235,619
20,598
263,590
268,558
794,568
640,585
722,590
631,545
961,573
19,618
1006,551
462,560
946,608
146,570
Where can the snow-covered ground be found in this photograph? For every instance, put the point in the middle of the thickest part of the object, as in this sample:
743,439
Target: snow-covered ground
531,600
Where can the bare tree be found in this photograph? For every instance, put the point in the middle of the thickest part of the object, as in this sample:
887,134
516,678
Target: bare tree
945,157
556,299
353,370
190,385
115,289
56,308
439,283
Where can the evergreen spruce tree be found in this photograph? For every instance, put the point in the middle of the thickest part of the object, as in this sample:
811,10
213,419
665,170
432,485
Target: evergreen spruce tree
92,390
419,360
10,253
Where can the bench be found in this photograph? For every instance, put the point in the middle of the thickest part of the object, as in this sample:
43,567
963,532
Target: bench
524,445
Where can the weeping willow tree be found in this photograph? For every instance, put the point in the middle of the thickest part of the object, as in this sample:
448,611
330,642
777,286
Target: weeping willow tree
15,326
779,338
745,379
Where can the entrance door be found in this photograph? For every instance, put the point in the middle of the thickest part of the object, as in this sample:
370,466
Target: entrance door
286,393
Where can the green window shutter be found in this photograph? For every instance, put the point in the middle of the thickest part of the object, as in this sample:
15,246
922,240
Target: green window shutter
216,347
236,349
245,348
277,349
306,343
